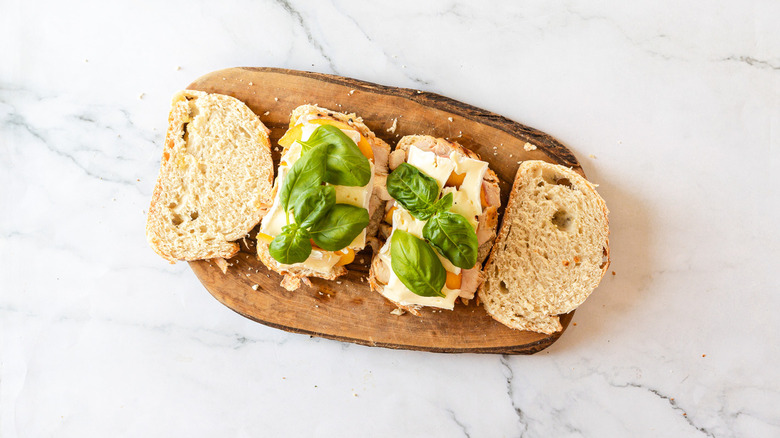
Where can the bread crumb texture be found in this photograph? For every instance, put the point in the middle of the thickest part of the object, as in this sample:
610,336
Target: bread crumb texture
215,180
551,252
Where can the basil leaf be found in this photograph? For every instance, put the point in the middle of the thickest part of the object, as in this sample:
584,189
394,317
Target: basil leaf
416,265
307,172
453,237
339,227
414,190
345,164
313,204
291,246
445,203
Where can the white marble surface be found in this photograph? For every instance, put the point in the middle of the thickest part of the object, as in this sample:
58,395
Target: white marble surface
672,107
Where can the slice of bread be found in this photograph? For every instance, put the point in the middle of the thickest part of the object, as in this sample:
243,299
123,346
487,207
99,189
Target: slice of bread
293,275
215,180
488,221
552,249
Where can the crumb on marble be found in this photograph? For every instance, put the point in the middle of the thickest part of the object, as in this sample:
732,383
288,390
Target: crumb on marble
613,272
141,96
591,156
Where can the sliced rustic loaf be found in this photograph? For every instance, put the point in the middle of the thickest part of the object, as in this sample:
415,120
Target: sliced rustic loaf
215,180
552,249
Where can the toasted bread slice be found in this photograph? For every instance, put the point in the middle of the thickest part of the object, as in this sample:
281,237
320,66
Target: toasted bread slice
487,221
551,252
381,151
215,180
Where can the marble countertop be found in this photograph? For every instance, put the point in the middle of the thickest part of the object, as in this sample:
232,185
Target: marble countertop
674,110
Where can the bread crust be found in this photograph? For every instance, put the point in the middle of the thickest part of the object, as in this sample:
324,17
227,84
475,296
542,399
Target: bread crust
295,274
158,229
441,147
520,317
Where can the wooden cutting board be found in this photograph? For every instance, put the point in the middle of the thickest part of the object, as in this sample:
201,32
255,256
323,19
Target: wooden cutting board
347,310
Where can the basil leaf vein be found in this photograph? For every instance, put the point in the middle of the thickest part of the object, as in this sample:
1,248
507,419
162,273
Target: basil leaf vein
453,237
339,227
291,246
414,190
306,173
416,265
345,164
313,204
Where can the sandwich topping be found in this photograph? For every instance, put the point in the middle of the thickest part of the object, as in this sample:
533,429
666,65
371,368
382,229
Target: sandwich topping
320,212
433,242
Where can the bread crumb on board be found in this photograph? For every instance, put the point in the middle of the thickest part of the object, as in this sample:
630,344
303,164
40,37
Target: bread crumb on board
397,312
392,128
449,118
529,147
351,92
255,286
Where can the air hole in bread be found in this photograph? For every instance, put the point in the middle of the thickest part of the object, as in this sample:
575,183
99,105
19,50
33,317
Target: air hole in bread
203,229
177,220
202,168
541,184
565,182
194,215
503,287
172,205
184,134
563,220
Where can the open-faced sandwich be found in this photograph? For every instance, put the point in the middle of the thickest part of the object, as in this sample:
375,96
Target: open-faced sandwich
440,224
215,178
551,252
328,201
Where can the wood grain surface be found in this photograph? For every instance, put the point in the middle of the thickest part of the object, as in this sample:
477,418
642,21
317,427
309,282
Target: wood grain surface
346,309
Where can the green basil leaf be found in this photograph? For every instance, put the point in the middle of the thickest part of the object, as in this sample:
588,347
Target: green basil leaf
345,164
414,190
416,265
307,172
313,204
291,246
445,203
339,227
453,237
